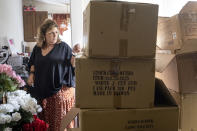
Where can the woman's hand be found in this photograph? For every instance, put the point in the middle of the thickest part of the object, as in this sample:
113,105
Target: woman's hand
73,61
30,80
76,48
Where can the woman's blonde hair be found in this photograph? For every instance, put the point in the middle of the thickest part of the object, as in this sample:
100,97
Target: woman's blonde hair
45,26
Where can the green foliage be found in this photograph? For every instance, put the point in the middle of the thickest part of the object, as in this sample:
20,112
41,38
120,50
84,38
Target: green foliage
7,83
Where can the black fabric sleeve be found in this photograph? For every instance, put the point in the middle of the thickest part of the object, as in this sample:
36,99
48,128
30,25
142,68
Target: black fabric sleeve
69,78
32,58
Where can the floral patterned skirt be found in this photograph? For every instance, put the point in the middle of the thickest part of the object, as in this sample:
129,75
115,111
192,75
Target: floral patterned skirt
56,107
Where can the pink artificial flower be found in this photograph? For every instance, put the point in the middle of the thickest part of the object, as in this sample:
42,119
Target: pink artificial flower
7,69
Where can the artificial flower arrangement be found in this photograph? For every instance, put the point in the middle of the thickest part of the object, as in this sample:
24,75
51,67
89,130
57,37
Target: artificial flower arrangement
20,110
9,81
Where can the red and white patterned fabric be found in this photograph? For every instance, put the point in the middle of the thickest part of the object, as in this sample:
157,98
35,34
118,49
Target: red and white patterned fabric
56,107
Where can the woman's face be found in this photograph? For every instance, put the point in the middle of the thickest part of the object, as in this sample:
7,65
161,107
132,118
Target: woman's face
52,36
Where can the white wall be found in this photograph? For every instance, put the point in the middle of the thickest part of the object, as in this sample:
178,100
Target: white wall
11,23
77,21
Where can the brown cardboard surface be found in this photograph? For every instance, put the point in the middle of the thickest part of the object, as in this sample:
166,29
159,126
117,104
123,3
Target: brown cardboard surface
120,29
169,75
189,112
162,19
149,119
187,69
174,32
162,60
155,119
189,46
188,25
168,33
108,83
189,7
163,117
181,73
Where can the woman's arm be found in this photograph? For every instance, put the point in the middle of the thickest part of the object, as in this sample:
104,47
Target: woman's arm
30,80
73,61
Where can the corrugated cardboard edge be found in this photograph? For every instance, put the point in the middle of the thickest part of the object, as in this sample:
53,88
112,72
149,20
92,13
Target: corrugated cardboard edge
68,118
189,46
189,7
162,61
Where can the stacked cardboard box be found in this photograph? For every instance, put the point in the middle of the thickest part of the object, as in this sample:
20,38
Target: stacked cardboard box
120,44
115,82
178,68
163,117
175,31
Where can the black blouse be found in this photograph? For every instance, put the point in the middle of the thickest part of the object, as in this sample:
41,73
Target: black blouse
52,70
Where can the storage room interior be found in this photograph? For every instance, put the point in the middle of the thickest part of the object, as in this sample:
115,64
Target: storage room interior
130,65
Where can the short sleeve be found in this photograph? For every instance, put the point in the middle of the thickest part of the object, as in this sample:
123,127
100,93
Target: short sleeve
69,78
69,53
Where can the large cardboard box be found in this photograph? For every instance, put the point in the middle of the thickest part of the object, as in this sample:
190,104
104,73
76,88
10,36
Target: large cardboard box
174,31
179,74
189,112
187,104
179,71
163,117
114,83
168,33
149,119
120,29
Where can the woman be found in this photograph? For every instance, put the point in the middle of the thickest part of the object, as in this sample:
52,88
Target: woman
52,75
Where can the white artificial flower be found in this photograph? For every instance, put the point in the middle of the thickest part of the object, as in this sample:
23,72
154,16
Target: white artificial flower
14,103
5,118
19,93
39,108
16,116
16,100
4,108
8,129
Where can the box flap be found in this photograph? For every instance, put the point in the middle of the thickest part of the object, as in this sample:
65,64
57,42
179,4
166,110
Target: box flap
188,47
162,60
189,7
168,33
68,118
162,19
162,95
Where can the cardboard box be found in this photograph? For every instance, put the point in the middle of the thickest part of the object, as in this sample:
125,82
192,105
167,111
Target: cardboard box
179,72
187,104
120,29
188,46
189,112
114,83
148,119
174,31
163,117
168,33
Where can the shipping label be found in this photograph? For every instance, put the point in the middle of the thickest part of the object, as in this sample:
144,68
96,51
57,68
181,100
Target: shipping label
112,83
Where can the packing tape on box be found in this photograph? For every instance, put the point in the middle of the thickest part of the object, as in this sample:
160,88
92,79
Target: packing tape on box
128,16
123,46
115,69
